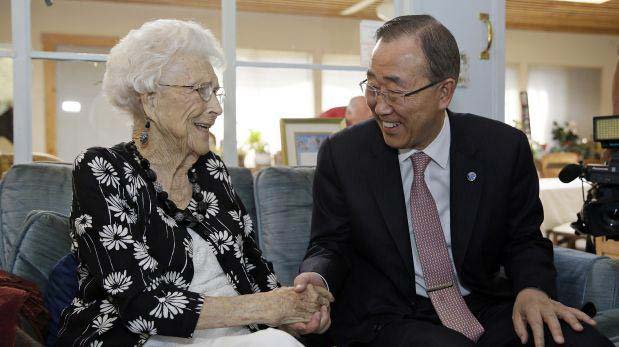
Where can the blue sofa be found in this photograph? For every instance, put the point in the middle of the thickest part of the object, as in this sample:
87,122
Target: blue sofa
35,202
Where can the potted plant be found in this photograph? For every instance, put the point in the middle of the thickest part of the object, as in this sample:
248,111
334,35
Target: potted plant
569,141
254,143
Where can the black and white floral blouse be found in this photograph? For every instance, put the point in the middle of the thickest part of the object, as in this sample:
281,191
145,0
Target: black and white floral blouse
136,262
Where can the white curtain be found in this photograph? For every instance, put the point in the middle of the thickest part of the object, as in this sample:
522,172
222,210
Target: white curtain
338,87
264,95
563,94
512,96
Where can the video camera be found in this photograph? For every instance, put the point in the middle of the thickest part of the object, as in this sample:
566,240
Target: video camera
600,212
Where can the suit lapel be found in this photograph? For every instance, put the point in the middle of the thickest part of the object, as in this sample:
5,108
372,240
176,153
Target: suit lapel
467,182
386,183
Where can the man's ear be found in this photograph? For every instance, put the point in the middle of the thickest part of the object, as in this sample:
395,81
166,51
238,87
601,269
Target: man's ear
446,90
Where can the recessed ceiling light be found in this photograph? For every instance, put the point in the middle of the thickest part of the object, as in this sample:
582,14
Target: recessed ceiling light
71,106
586,1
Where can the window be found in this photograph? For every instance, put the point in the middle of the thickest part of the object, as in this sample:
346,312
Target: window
312,48
84,117
266,95
338,87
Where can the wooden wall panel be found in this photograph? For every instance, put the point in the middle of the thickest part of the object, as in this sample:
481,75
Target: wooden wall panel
546,15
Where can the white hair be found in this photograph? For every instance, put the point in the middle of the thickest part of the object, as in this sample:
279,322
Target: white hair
134,65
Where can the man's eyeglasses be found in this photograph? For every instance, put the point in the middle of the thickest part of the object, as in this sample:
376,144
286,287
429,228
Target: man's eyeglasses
205,90
390,96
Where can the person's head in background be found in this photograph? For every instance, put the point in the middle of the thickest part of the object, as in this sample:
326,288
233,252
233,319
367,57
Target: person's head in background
357,111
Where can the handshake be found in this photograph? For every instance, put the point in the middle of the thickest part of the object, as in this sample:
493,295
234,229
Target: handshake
304,308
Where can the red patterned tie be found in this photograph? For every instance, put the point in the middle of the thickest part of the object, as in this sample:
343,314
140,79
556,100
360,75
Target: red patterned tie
442,286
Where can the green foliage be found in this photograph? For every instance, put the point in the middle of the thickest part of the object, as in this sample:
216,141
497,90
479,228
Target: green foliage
568,141
255,142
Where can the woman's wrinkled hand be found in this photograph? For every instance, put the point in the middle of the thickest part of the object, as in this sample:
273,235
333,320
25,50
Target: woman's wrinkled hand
287,306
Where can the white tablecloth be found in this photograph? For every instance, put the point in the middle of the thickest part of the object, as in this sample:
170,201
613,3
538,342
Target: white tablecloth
561,201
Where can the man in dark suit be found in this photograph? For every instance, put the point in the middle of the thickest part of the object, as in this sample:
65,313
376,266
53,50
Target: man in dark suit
426,223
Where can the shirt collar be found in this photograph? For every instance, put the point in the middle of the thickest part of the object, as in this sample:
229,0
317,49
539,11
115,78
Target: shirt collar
437,150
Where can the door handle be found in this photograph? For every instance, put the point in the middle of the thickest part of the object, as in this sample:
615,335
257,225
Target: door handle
485,54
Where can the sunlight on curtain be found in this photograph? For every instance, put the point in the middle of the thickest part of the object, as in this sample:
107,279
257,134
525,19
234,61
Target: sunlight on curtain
264,95
338,87
563,94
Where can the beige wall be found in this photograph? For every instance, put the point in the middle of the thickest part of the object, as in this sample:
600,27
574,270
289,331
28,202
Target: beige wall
525,48
5,21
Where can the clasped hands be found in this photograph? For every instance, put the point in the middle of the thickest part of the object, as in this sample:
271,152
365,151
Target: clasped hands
302,309
318,300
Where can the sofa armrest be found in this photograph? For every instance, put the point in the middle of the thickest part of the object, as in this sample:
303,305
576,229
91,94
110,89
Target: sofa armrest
584,277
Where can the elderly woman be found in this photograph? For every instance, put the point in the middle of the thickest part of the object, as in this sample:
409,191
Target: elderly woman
165,245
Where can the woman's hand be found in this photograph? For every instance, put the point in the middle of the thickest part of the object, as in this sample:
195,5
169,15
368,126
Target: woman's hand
286,306
274,308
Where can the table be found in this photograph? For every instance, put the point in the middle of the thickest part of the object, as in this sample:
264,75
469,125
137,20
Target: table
561,202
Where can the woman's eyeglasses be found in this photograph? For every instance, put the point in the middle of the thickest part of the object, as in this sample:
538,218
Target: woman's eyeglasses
205,90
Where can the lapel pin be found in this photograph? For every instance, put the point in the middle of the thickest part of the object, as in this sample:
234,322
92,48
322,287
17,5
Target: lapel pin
471,176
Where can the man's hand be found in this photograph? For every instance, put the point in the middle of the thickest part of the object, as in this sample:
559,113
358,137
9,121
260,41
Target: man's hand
321,321
534,307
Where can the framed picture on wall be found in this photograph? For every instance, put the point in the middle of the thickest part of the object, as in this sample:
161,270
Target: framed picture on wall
302,137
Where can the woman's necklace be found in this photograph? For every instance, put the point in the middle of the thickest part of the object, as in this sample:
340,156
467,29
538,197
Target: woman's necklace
184,217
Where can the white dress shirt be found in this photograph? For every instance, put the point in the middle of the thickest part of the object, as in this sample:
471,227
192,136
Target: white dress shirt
438,181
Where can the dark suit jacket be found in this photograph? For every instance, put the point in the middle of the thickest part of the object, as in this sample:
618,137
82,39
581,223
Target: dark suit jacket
360,239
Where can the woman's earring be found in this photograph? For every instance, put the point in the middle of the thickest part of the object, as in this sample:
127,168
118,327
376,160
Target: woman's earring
144,133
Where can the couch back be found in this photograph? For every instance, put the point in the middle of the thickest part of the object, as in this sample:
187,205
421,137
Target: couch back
48,187
28,187
284,211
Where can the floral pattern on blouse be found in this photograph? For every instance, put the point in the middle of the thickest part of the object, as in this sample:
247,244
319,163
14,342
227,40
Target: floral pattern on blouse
135,261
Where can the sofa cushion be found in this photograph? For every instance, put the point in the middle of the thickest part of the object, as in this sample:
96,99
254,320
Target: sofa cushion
61,289
27,187
284,209
44,240
243,183
584,277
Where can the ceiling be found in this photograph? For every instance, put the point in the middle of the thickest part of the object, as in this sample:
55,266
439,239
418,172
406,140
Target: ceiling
546,15
563,16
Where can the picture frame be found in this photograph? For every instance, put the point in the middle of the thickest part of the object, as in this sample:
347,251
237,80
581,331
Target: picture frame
302,137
